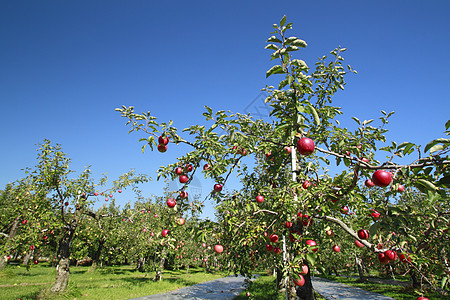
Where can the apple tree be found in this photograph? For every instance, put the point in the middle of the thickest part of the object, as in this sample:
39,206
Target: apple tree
291,181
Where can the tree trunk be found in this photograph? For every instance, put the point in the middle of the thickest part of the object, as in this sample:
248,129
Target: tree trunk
141,264
306,292
360,268
97,255
162,260
12,234
27,257
63,270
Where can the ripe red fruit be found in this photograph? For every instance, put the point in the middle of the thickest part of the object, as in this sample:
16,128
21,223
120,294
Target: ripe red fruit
305,146
180,221
277,250
95,194
171,202
390,254
24,222
344,210
369,183
36,261
163,140
165,232
329,233
162,148
120,191
110,195
218,248
273,238
300,281
376,215
66,203
363,234
188,168
183,179
336,248
183,194
289,224
32,247
383,258
269,156
381,178
404,258
178,171
307,220
400,188
287,149
312,243
304,270
359,244
206,167
269,247
45,237
306,184
422,298
217,187
259,199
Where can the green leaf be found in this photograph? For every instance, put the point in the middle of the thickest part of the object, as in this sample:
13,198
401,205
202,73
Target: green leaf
445,180
436,141
356,120
444,282
273,39
299,43
436,148
292,48
311,258
275,70
315,115
299,63
271,47
447,125
425,183
283,21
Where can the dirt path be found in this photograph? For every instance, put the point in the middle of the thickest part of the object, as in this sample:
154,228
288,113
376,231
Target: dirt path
336,290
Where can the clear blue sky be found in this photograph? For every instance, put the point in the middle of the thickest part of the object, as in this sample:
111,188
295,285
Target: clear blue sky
65,66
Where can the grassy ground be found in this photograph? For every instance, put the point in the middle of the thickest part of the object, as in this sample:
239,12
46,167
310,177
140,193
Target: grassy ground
107,283
394,291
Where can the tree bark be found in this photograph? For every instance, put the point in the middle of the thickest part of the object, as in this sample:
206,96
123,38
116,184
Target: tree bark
12,234
360,268
63,268
162,260
306,292
27,257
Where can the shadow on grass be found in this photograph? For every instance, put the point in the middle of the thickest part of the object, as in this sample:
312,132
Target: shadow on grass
262,288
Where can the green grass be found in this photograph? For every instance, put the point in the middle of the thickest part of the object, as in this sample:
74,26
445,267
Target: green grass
265,288
393,291
107,283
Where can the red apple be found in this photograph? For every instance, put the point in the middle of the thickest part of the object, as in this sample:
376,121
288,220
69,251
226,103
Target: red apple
218,248
363,234
163,140
304,270
162,148
155,215
400,188
306,184
183,194
289,224
269,156
383,258
273,238
344,210
95,194
24,222
183,179
287,149
277,250
422,298
188,168
300,281
359,244
269,247
32,247
36,261
152,233
203,245
171,202
404,258
206,167
178,171
217,187
312,243
381,178
67,203
299,216
165,232
259,199
369,183
120,191
305,146
45,237
390,254
336,248
364,159
376,215
110,195
329,233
